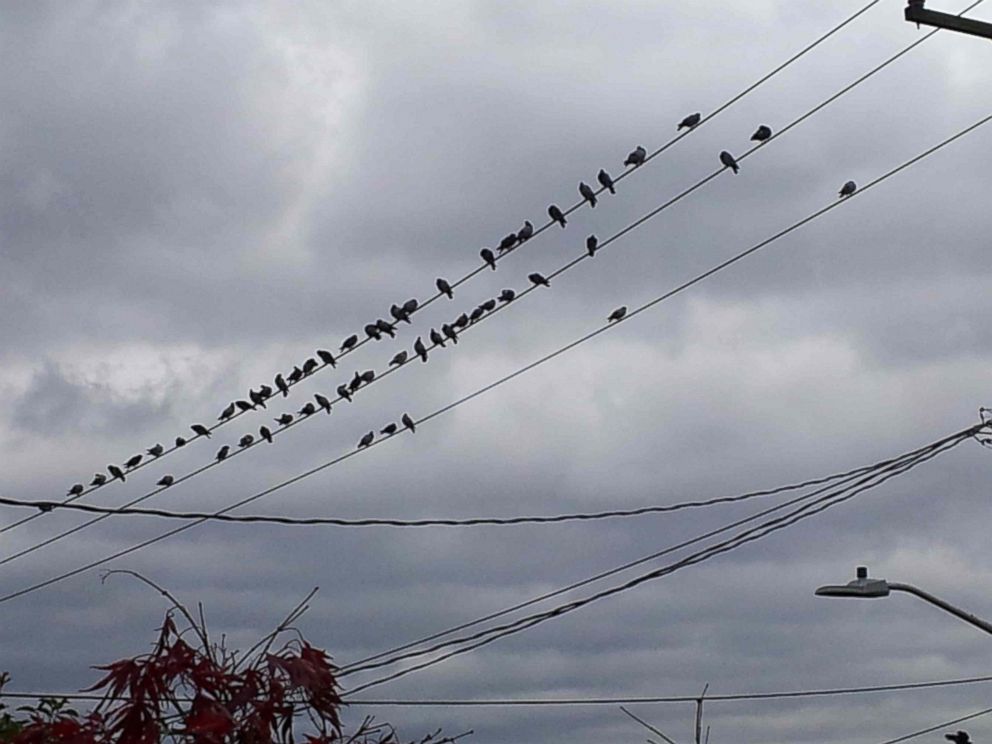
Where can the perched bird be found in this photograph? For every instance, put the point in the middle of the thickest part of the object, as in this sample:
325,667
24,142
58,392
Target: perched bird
295,376
133,462
327,357
489,305
309,366
592,245
386,327
557,215
281,385
617,314
349,343
436,338
265,391
444,288
408,422
285,419
116,472
244,405
373,332
180,442
366,440
344,392
461,321
323,402
201,430
690,121
399,313
222,452
637,157
587,193
476,314
507,295
226,413
410,306
155,450
489,258
418,346
448,331
728,160
263,431
526,232
166,481
258,398
761,134
368,375
399,359
848,188
959,737
389,429
246,440
75,490
98,480
507,243
308,409
539,279
604,178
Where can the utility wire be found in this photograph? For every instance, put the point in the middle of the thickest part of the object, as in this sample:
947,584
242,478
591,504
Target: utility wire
680,288
578,205
939,726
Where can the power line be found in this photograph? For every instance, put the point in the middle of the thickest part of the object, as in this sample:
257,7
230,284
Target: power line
939,726
466,277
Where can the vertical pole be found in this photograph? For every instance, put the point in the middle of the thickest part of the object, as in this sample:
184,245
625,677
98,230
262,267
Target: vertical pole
699,714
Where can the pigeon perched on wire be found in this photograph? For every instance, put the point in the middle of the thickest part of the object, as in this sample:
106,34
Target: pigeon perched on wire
592,245
366,440
265,433
604,178
265,391
117,473
958,737
200,430
323,402
226,413
386,327
507,243
587,193
155,450
222,453
761,134
310,366
98,480
476,314
75,490
389,429
489,258
399,313
308,409
436,338
295,376
409,422
180,442
557,215
847,189
507,295
133,462
257,399
444,288
690,121
399,359
356,382
285,420
327,357
373,332
636,157
246,441
344,392
538,279
526,232
448,331
165,481
618,314
244,405
410,306
282,386
367,376
489,305
728,160
349,343
461,321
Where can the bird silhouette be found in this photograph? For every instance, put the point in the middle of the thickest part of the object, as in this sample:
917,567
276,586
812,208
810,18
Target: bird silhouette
265,433
244,405
592,245
308,409
266,391
201,430
408,422
958,737
448,331
761,134
226,413
327,357
690,121
418,346
539,279
526,232
295,376
587,193
344,393
285,419
366,440
133,462
436,338
489,258
98,480
222,453
323,402
373,332
617,314
444,288
257,399
75,490
180,442
389,429
385,327
165,481
116,472
636,157
507,243
368,375
410,306
349,343
557,215
604,178
476,314
489,305
507,295
847,189
155,450
399,359
246,440
728,160
281,385
310,366
356,382
461,321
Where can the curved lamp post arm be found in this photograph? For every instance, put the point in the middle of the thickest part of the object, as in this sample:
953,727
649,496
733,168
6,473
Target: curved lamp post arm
938,602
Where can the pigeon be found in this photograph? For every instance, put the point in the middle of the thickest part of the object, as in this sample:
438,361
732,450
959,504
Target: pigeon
399,359
436,338
246,440
116,472
489,305
309,366
507,295
410,306
349,343
327,357
444,288
399,313
587,193
761,134
244,405
98,480
226,413
75,490
368,375
959,737
257,399
201,430
222,452
592,245
489,258
461,321
385,327
507,243
180,442
476,314
637,157
408,422
133,462
282,386
728,160
539,279
155,450
418,346
373,332
265,391
295,376
690,121
344,393
264,432
285,419
604,178
557,215
526,232
448,331
366,440
617,314
308,409
323,402
356,382
389,429
166,481
847,189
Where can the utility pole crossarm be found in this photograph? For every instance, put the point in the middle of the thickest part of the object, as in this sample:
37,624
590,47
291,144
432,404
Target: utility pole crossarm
916,13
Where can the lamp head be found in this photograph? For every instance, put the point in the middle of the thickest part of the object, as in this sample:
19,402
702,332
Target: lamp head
861,588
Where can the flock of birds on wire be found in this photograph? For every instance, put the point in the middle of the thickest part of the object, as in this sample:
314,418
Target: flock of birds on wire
401,313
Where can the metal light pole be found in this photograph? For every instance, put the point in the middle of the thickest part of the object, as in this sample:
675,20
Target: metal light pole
864,588
916,13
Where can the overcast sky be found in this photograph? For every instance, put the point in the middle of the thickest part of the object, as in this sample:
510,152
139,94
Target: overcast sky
195,196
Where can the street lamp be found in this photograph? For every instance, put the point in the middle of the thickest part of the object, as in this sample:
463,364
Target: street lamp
916,13
864,588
